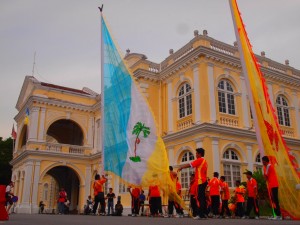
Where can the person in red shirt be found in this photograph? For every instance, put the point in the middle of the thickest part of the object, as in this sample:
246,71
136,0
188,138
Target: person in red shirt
239,195
171,202
272,181
135,197
252,195
200,166
225,196
61,201
99,194
214,186
193,195
154,200
179,209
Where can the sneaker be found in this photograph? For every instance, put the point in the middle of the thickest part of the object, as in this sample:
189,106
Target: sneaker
277,218
177,216
244,217
257,218
227,217
196,218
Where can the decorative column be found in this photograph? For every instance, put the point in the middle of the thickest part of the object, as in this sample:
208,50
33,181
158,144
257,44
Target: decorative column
245,103
212,95
42,125
171,155
197,93
170,108
33,124
216,155
270,92
90,131
249,157
88,178
297,113
25,205
199,142
35,190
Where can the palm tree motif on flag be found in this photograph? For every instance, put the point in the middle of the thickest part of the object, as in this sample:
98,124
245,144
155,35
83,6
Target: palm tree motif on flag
137,130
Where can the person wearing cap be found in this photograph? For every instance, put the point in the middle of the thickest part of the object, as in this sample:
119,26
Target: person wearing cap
272,181
214,186
200,166
252,201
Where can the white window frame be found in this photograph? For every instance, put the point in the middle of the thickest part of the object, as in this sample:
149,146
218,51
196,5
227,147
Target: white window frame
226,93
282,104
186,173
232,161
185,96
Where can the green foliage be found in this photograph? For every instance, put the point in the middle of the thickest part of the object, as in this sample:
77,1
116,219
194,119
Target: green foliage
262,185
140,127
6,152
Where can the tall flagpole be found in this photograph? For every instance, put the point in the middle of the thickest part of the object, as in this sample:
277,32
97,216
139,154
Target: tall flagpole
251,100
102,92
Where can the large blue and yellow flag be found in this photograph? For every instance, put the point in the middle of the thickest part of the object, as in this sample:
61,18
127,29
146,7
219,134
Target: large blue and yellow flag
269,135
132,146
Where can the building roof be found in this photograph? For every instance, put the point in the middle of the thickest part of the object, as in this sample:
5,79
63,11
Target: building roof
64,88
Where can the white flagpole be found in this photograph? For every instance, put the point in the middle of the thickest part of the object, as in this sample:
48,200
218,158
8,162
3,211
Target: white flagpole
102,94
255,119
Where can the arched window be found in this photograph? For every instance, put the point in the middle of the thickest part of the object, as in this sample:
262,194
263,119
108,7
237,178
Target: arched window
231,166
187,172
226,97
258,162
185,100
283,111
45,192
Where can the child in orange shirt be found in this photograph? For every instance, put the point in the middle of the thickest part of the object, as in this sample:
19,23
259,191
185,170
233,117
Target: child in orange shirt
239,195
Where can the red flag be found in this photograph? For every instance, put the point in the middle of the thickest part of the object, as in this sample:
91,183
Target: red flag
13,133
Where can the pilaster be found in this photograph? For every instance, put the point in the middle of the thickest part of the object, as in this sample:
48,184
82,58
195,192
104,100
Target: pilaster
216,155
212,94
33,124
35,191
170,108
297,114
42,124
197,102
249,157
245,103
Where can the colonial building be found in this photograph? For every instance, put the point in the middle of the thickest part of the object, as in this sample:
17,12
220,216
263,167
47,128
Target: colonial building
198,95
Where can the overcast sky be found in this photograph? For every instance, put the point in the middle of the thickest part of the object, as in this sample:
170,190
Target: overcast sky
66,37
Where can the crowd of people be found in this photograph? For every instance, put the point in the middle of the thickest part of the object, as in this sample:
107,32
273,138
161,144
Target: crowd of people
208,197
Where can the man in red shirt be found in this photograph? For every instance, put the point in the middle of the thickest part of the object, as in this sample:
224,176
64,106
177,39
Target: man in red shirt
252,195
214,186
135,198
200,166
272,181
225,196
99,194
61,201
193,195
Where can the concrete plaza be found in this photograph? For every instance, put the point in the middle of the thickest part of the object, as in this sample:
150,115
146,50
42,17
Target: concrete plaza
47,219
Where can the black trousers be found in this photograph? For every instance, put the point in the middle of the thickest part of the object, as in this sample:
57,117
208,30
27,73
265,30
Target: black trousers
275,200
252,203
239,209
194,205
99,199
225,208
215,204
135,206
155,205
202,200
141,207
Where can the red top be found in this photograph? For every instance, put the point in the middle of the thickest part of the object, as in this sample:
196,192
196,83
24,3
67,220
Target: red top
270,174
225,191
98,186
62,196
251,186
239,192
135,192
154,191
193,188
200,166
215,185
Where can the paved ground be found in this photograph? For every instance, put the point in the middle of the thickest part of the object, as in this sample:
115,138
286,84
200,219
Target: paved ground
36,219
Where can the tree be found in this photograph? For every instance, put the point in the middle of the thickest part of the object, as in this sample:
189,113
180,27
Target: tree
6,154
137,130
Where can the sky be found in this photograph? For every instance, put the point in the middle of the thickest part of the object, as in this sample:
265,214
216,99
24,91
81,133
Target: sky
65,34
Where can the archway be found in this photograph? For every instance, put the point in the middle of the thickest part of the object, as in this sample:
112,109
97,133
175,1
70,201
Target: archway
65,132
56,178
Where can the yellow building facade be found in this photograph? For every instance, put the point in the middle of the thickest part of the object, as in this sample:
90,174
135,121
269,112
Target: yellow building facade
198,95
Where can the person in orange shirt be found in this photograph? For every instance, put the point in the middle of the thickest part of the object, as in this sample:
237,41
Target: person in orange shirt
154,200
214,186
225,195
200,166
193,195
252,195
239,195
99,194
272,181
135,194
179,209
